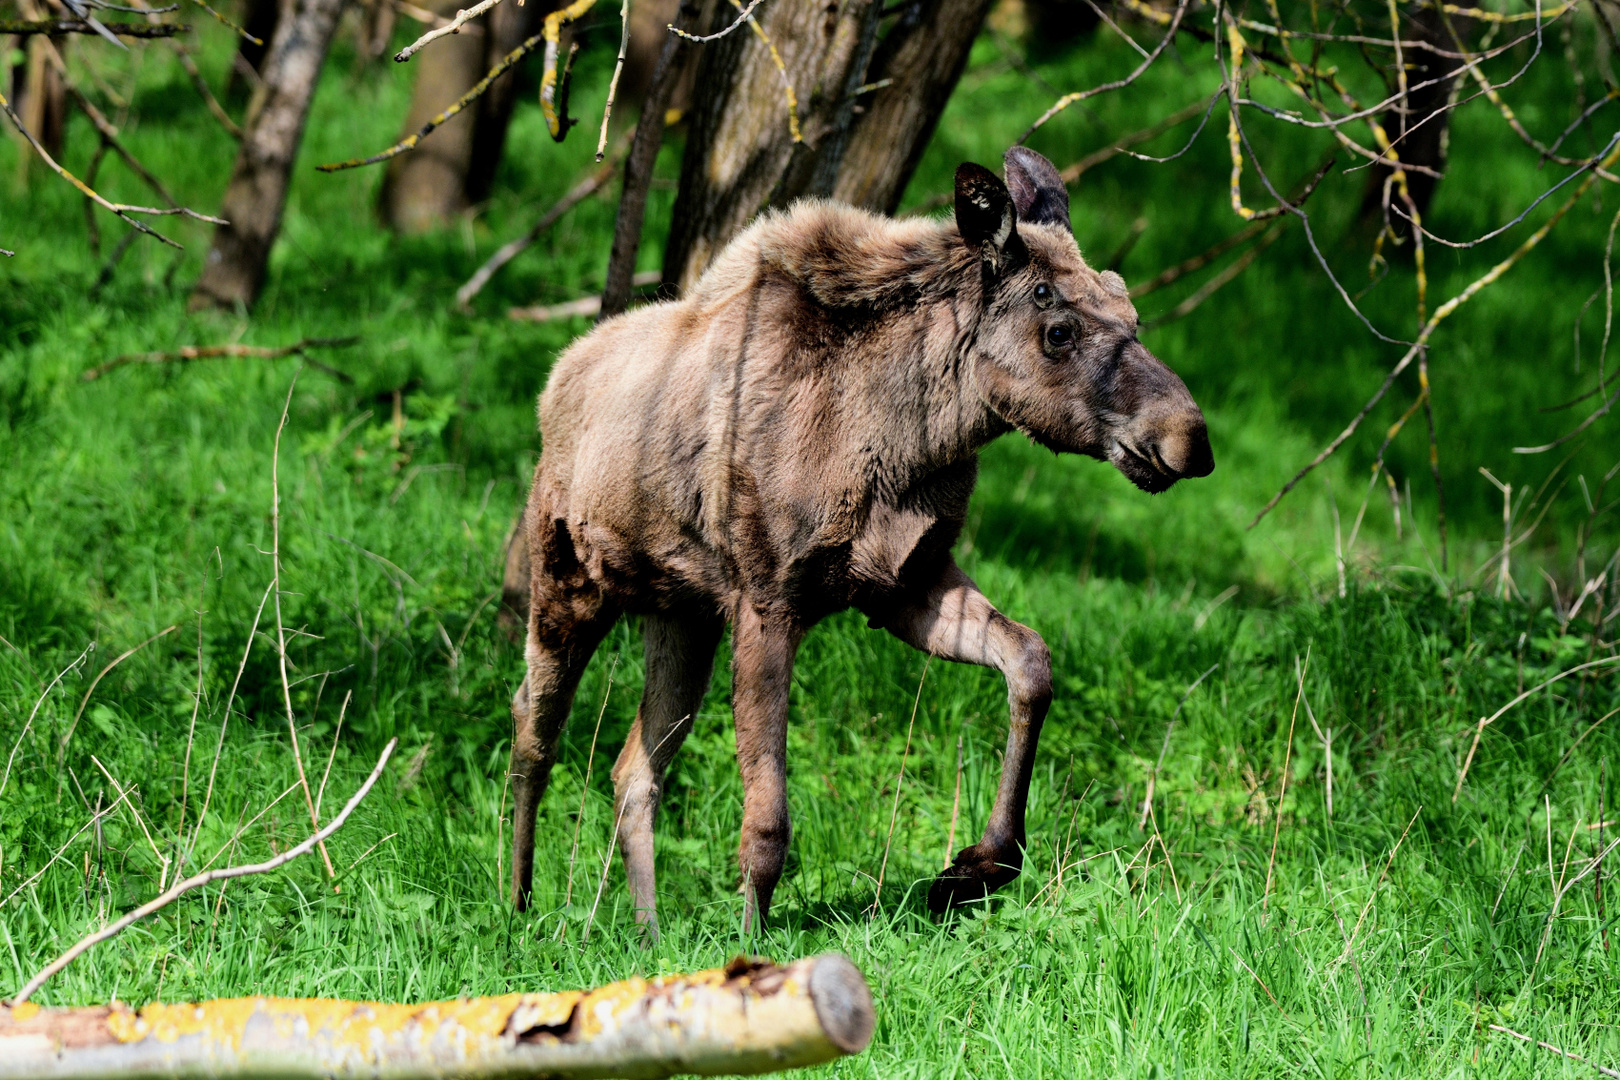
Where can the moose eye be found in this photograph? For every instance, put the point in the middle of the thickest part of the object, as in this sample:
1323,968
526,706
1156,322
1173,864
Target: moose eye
1059,336
1043,291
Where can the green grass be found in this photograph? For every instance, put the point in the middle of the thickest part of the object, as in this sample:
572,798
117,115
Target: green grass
142,500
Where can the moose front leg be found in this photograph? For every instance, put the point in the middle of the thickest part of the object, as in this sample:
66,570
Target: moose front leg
763,646
953,620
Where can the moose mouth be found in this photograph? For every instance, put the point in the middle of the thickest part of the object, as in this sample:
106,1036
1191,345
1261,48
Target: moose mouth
1149,474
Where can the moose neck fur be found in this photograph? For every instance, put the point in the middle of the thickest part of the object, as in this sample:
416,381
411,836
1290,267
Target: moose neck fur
899,302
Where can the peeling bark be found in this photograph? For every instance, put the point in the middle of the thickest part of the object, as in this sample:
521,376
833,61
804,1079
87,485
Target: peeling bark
749,1017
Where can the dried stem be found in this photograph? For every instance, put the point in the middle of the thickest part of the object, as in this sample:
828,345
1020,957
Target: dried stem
899,782
585,786
1288,757
513,248
188,353
410,142
463,17
1485,721
281,633
203,879
61,750
30,721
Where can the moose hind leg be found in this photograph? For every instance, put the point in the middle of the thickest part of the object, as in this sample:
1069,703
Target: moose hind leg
764,647
680,660
557,651
954,621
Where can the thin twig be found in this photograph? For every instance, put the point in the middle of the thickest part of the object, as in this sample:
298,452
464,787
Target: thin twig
585,787
281,633
203,879
1605,1070
1351,943
613,83
61,750
119,209
186,354
513,248
1439,315
745,16
1288,757
956,805
410,142
1479,729
225,720
96,816
463,17
57,27
29,723
899,782
1147,801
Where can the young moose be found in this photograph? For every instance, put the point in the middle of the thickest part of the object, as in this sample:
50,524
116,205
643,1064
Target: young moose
797,436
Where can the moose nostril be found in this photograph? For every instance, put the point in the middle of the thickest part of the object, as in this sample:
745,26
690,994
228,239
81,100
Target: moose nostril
1185,453
1198,459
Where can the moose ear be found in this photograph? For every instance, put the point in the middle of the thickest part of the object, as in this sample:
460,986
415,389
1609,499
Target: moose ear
1037,188
986,218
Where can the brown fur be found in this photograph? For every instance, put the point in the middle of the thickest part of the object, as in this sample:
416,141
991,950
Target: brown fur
797,436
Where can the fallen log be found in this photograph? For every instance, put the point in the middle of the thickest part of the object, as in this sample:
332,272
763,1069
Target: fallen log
746,1018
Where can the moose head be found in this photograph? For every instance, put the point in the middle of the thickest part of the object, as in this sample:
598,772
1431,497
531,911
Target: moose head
1057,355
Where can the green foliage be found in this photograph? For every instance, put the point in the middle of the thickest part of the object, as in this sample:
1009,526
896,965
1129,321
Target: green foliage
143,500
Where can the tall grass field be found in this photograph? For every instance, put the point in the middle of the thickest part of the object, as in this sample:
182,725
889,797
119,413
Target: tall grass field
1275,872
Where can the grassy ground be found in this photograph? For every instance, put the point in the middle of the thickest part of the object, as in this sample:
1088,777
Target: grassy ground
143,501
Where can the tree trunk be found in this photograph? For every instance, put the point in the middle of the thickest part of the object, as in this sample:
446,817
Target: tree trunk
259,18
740,143
509,26
41,97
925,55
1420,133
740,155
257,195
455,169
427,187
745,1018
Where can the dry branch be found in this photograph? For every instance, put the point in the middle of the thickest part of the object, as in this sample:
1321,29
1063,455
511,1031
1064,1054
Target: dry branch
1440,314
554,87
9,1062
122,210
189,353
61,750
513,248
1486,721
748,1017
442,28
409,142
585,306
1604,1069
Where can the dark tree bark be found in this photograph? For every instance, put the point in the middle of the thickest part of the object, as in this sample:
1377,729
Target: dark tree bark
638,167
41,97
925,55
740,156
509,26
257,195
1419,133
455,168
739,143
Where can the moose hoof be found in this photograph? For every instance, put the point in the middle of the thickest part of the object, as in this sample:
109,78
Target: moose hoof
972,876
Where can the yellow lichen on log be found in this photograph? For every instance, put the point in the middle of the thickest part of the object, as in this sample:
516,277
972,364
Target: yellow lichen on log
749,1017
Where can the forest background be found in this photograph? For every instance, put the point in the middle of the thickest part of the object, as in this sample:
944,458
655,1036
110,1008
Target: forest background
1281,868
